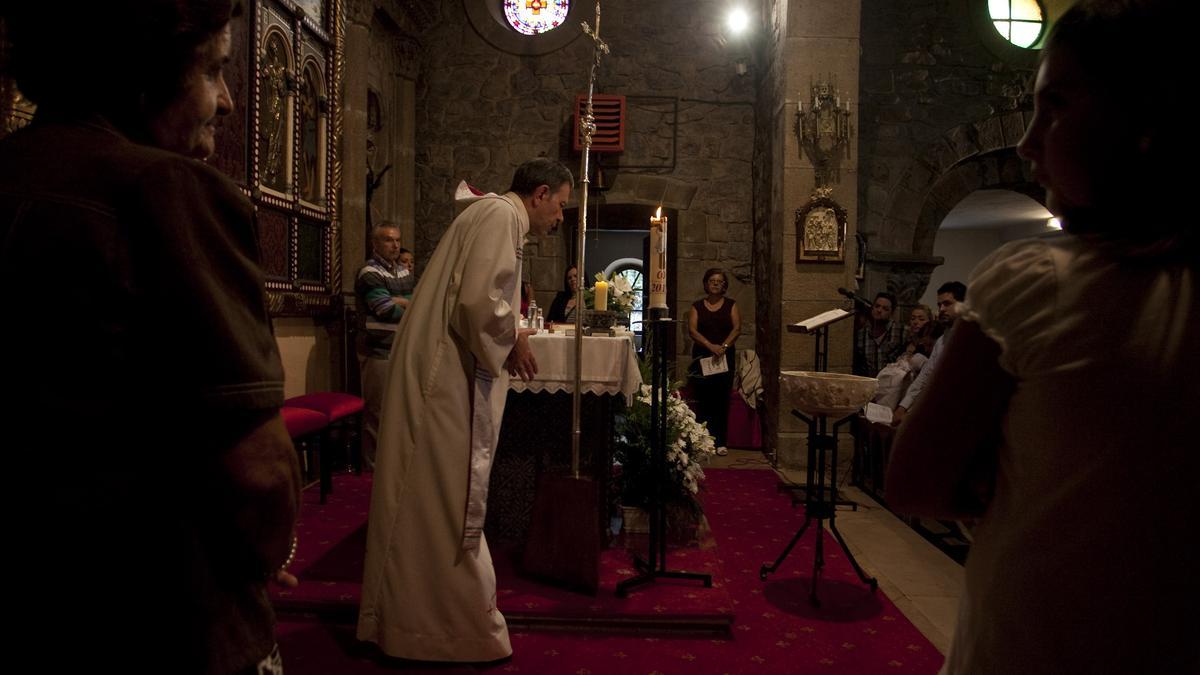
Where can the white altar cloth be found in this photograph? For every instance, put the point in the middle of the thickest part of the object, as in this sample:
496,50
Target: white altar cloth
610,365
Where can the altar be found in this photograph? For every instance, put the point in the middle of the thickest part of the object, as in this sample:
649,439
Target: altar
535,436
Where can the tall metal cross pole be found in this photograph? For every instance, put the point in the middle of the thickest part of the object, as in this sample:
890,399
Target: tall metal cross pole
587,126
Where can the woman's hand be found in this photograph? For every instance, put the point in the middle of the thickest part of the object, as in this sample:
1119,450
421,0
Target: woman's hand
285,579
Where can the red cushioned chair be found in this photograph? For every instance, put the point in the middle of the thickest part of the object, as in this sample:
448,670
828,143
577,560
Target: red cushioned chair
307,428
344,415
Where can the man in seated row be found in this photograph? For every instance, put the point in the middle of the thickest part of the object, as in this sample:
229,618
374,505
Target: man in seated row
881,340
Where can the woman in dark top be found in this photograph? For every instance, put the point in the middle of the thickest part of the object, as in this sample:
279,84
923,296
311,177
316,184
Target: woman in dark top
563,307
714,324
526,297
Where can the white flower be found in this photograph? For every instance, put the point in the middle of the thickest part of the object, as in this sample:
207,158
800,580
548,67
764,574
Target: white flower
691,440
621,285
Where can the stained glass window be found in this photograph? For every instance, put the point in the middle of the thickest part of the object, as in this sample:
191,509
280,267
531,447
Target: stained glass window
1021,22
534,17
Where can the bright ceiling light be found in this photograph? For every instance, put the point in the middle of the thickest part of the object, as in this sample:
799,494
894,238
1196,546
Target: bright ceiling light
737,20
1054,224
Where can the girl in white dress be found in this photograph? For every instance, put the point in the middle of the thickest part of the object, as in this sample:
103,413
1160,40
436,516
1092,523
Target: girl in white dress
1063,407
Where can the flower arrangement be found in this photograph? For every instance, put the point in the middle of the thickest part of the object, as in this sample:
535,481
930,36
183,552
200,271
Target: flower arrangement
688,444
620,293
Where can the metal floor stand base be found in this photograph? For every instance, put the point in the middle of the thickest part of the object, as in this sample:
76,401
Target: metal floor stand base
820,505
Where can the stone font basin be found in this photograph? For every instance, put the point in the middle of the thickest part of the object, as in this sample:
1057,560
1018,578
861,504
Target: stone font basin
832,394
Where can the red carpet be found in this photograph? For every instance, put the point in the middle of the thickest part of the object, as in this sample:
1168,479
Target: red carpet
775,631
668,606
329,563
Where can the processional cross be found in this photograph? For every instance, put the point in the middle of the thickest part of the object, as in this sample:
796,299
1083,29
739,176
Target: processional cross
587,127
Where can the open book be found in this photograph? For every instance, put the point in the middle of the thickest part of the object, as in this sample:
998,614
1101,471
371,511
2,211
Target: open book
814,322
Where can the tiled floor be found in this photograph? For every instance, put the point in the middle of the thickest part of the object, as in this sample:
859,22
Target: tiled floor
923,582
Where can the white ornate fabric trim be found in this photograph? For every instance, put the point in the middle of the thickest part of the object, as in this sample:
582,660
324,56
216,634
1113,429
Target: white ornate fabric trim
482,437
597,388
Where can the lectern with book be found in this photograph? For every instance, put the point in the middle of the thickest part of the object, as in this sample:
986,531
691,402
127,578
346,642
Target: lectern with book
822,395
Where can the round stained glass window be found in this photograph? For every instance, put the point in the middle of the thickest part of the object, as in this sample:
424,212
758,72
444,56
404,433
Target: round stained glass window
534,17
1020,21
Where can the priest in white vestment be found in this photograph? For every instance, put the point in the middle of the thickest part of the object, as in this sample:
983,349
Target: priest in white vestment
429,588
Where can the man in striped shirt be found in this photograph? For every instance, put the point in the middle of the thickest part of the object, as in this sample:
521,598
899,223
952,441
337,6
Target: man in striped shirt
382,290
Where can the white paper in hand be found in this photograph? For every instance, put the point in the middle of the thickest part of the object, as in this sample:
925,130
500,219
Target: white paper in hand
879,413
714,365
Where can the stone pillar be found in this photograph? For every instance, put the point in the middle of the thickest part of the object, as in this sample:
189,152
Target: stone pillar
822,42
406,159
353,152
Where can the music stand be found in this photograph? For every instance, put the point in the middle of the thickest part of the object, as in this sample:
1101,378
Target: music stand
820,501
818,327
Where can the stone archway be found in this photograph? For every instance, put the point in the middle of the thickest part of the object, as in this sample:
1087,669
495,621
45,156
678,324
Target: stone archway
969,157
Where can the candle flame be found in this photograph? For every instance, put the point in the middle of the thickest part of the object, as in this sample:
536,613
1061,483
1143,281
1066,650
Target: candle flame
658,212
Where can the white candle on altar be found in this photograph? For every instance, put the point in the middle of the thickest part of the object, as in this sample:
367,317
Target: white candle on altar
601,301
658,260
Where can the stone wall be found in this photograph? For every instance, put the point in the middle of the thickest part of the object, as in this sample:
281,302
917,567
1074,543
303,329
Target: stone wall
481,111
384,52
820,44
943,106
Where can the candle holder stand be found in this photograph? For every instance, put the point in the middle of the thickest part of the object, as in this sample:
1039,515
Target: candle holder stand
654,567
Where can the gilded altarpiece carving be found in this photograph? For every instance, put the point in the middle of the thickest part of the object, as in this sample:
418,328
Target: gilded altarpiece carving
821,229
295,174
15,110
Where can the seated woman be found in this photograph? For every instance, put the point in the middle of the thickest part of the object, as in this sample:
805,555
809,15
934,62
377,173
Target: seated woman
895,377
918,335
526,297
562,309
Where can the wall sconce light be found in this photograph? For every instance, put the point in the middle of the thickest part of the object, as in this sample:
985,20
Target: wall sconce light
824,129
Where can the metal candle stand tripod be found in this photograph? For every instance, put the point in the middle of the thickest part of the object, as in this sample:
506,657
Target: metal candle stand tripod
655,566
820,500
